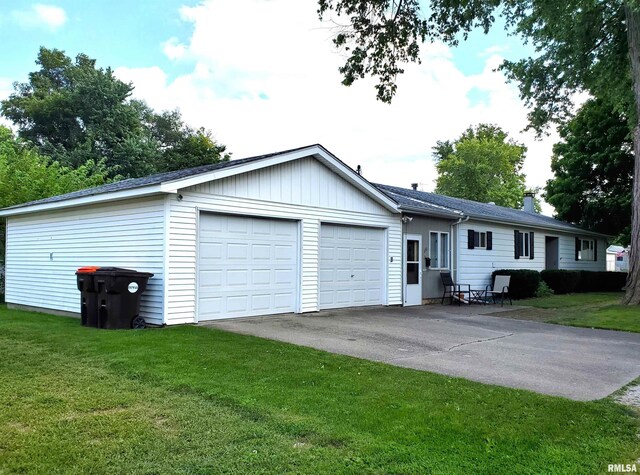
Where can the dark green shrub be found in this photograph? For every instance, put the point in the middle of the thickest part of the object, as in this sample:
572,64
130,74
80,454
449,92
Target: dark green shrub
524,282
561,281
601,281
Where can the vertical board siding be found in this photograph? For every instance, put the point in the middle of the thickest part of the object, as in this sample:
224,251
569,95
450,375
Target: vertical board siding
304,182
476,265
298,190
44,251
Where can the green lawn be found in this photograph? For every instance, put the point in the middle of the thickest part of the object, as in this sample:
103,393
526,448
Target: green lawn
196,400
592,310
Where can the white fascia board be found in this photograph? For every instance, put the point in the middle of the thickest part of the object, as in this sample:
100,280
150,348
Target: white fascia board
82,201
558,229
313,151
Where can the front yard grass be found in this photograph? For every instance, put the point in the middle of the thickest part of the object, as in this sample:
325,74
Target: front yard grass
196,400
592,310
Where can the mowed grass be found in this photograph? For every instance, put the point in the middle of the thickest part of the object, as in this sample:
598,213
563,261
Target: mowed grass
592,310
196,400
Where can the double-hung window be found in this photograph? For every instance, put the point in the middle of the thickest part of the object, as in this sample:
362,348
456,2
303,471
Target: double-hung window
523,245
586,250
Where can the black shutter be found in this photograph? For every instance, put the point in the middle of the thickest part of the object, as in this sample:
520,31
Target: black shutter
577,248
595,249
489,240
516,244
531,240
470,239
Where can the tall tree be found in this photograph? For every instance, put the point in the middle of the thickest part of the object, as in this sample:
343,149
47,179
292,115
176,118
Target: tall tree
483,164
74,112
582,45
593,168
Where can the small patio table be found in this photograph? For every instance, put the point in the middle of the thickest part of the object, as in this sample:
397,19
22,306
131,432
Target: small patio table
478,296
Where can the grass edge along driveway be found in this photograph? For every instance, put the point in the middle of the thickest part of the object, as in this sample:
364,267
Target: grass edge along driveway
197,400
590,310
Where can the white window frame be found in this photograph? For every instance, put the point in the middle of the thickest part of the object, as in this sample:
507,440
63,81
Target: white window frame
481,235
443,254
524,244
591,249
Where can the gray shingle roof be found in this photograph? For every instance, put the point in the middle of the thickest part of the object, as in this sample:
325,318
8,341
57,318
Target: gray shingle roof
150,180
408,198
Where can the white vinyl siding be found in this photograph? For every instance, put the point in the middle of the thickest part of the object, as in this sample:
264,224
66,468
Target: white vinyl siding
322,198
476,265
567,246
45,249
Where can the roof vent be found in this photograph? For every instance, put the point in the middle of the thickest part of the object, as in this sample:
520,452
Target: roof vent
491,203
414,186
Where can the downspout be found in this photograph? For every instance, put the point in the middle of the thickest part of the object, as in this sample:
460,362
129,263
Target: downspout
454,271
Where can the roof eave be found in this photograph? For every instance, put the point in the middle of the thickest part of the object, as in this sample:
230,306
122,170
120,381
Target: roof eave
578,231
438,213
84,200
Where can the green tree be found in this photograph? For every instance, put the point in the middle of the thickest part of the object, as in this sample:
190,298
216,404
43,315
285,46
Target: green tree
582,45
25,175
593,168
75,112
483,164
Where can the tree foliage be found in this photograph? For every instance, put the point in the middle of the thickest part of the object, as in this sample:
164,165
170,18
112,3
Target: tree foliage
75,112
593,168
484,165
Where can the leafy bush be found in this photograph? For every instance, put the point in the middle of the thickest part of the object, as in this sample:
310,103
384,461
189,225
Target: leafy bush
569,281
524,282
591,281
561,281
543,290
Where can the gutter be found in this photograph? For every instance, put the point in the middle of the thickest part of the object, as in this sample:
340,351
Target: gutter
454,273
578,231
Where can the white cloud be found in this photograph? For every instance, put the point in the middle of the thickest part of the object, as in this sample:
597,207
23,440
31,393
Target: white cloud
269,81
40,16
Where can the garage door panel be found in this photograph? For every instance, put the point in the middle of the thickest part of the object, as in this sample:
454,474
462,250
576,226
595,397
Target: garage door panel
247,266
352,266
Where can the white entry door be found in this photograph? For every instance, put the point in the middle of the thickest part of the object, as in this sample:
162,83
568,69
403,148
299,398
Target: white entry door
246,266
412,270
352,266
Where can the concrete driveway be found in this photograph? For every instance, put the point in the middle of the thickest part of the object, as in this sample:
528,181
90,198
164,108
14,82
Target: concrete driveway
576,363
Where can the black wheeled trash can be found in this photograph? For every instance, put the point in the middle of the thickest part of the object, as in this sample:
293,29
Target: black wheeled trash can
88,296
119,292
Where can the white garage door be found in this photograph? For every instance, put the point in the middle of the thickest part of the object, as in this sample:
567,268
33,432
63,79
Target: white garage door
247,266
351,266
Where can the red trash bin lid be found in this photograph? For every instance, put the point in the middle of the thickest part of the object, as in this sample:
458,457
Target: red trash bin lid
87,269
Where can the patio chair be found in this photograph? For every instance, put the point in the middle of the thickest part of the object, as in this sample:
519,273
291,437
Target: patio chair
500,289
453,290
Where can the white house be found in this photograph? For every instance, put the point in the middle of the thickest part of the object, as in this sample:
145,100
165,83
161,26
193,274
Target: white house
473,239
296,231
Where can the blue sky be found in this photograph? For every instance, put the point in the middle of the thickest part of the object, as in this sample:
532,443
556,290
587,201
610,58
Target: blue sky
250,70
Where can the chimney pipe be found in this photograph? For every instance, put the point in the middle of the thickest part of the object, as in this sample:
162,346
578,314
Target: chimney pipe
414,186
529,202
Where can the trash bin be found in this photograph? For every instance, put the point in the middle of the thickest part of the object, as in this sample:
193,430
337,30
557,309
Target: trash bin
119,292
88,296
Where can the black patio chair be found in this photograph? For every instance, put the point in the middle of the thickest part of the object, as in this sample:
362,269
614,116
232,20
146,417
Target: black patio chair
453,290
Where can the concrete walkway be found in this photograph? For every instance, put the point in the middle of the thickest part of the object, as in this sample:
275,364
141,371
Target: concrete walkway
576,363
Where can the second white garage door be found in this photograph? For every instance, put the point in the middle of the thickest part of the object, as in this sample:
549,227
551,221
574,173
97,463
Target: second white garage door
352,266
247,266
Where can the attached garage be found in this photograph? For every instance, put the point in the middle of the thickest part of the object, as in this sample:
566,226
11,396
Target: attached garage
295,231
352,266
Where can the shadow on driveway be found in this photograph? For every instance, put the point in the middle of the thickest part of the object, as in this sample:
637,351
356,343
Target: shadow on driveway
577,363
